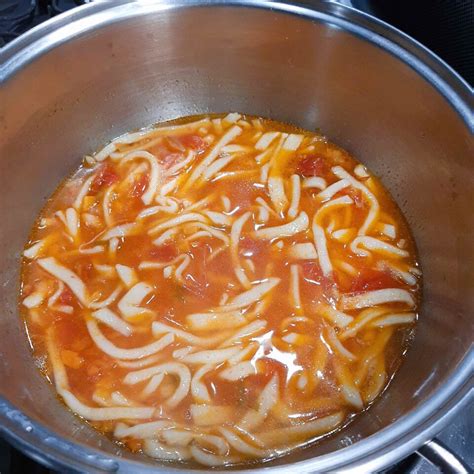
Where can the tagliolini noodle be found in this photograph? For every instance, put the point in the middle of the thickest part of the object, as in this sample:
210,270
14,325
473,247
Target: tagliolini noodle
220,289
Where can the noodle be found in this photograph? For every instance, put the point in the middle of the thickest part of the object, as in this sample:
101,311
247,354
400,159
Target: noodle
300,224
127,354
180,370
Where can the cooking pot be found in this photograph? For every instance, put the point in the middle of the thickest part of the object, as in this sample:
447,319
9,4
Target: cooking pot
98,71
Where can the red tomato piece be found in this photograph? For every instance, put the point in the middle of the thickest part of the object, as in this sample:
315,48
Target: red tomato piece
140,185
312,273
165,252
195,142
370,279
249,247
269,366
171,159
311,165
356,195
254,384
241,192
66,297
84,270
105,177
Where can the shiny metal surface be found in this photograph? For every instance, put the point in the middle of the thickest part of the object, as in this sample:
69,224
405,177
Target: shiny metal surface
87,76
437,453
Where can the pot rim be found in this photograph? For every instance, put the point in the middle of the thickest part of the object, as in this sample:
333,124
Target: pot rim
370,454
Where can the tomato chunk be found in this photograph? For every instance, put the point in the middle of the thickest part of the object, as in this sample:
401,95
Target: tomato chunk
313,274
171,159
370,279
104,178
311,165
249,247
140,185
85,270
165,252
356,195
241,192
66,296
312,271
269,365
195,142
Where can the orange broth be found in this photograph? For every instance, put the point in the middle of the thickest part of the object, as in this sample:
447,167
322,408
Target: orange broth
313,355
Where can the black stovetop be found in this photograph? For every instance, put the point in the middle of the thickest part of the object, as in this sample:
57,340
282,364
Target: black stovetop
18,16
453,42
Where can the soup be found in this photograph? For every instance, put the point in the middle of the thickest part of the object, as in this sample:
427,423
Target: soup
220,289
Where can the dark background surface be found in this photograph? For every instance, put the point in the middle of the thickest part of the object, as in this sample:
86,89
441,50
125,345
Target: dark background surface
444,26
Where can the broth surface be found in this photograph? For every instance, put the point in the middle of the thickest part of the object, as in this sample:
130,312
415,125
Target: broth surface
220,289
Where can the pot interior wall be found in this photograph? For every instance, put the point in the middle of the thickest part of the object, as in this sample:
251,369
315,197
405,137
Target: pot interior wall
177,62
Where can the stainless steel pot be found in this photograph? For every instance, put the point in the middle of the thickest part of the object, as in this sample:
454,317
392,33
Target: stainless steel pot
72,83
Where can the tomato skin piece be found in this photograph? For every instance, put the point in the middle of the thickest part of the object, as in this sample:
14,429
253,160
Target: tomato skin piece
313,274
165,252
66,296
356,195
140,185
195,142
269,366
104,178
311,271
311,165
84,269
242,192
370,279
171,159
249,247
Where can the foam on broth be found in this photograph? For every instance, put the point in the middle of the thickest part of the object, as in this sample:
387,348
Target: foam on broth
220,289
